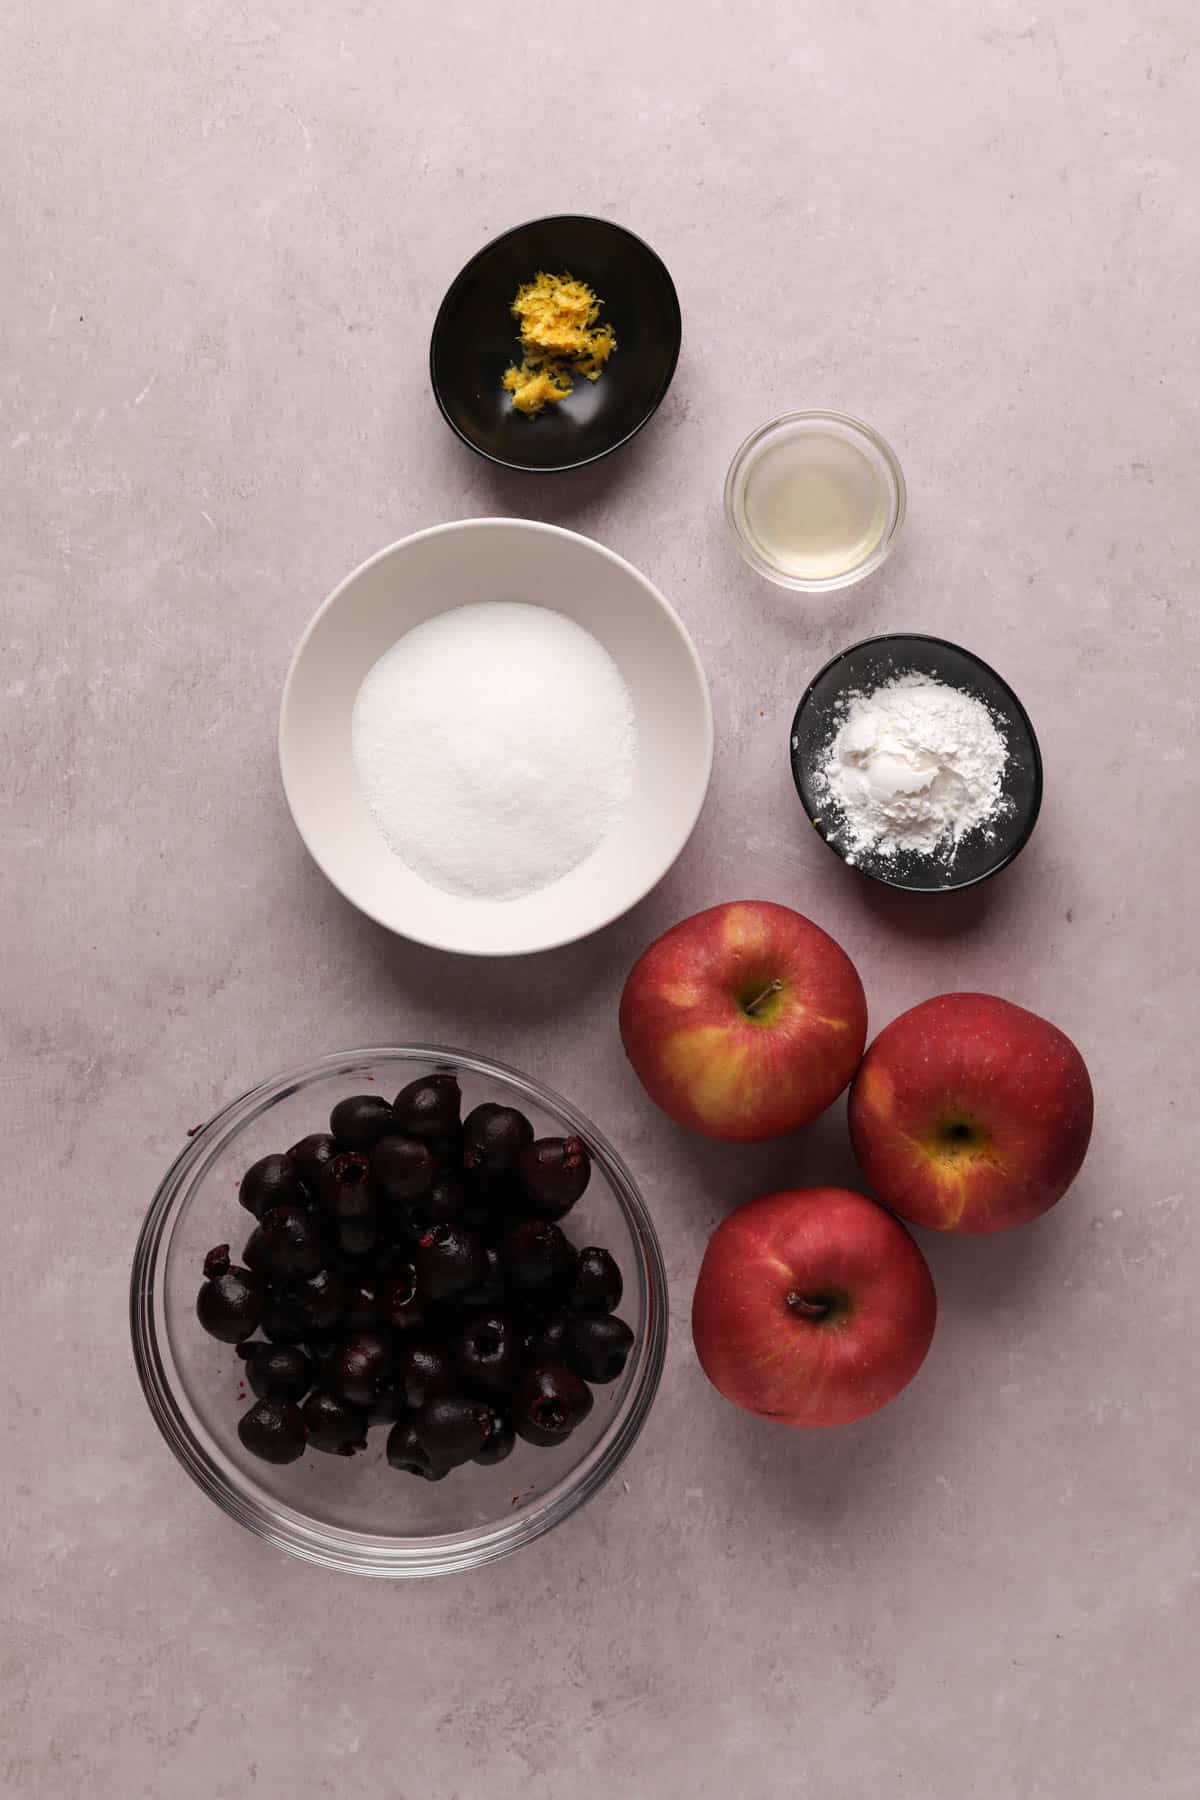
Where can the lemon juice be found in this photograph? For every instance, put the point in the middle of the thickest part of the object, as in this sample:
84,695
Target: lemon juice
815,505
815,499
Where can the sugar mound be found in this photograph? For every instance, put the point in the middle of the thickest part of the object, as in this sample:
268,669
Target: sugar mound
495,745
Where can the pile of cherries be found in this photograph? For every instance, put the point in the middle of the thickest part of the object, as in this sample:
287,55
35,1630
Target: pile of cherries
407,1268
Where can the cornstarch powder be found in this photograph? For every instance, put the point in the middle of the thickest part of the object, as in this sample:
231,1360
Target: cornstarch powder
913,766
495,746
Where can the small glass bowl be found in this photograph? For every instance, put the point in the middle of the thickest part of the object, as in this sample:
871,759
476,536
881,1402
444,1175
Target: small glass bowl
358,1514
884,464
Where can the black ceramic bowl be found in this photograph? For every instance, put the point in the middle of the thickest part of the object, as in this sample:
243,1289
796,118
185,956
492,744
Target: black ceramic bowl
475,340
868,665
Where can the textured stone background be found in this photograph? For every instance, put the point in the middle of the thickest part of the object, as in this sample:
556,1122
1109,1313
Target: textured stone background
226,230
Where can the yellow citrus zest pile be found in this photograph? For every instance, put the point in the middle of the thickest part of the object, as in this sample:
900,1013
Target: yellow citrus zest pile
559,338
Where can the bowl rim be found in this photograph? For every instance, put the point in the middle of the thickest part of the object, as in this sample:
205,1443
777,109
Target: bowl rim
1035,807
595,456
735,484
674,846
334,1547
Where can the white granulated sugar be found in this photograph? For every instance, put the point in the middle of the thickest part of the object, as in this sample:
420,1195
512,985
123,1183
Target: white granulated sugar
495,745
914,766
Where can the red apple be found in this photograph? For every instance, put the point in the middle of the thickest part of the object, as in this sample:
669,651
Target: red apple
745,1021
813,1307
971,1114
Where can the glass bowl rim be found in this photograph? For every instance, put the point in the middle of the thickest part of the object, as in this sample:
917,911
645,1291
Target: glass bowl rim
734,485
332,1547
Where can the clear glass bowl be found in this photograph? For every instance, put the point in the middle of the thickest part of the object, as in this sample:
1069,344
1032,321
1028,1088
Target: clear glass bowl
358,1514
836,563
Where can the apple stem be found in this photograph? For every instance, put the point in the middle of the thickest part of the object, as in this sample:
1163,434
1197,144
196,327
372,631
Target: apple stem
807,1309
752,1006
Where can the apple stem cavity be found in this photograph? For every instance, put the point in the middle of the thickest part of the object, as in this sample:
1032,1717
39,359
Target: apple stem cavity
771,989
808,1309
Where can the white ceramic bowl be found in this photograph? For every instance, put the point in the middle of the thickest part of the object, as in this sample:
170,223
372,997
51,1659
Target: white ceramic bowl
453,565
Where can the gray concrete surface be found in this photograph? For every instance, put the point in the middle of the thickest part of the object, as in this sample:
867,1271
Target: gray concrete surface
226,230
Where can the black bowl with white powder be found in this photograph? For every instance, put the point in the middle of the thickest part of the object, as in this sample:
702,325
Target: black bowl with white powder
917,763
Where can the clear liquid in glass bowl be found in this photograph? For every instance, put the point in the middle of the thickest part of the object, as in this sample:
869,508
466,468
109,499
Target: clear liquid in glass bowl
815,500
